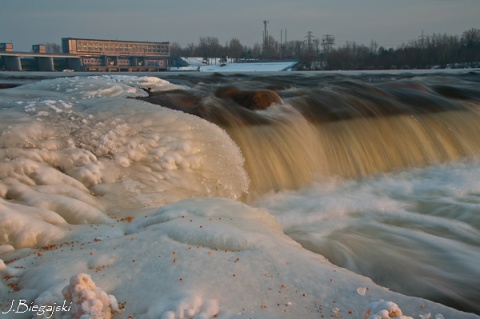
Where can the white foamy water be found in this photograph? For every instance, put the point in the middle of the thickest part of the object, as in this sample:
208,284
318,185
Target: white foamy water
140,207
417,230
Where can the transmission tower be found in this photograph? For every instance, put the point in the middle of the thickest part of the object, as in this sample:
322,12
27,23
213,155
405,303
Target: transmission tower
422,40
327,43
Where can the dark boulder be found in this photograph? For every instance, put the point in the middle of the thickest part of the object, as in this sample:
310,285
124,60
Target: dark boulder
251,99
177,100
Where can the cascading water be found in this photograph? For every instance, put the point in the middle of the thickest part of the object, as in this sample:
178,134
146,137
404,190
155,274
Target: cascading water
356,135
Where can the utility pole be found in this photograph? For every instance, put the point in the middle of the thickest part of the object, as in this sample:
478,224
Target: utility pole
265,39
309,40
422,40
283,43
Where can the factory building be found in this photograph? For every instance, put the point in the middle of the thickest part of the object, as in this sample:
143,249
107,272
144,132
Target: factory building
113,55
6,47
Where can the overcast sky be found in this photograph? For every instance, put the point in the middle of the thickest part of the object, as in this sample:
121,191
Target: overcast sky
389,22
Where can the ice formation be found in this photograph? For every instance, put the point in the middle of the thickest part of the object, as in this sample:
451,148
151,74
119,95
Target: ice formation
384,310
87,300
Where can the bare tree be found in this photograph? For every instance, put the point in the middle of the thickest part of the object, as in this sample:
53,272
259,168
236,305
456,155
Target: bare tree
470,50
209,47
442,48
271,48
176,49
373,46
471,38
190,49
257,51
235,49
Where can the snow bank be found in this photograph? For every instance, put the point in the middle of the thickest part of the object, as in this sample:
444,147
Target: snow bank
249,67
196,64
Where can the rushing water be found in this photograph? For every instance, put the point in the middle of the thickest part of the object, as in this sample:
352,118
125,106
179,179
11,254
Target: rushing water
379,173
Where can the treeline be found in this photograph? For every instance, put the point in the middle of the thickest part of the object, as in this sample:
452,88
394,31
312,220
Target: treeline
432,51
233,50
429,51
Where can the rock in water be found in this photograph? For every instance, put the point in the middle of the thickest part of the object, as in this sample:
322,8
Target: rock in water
177,99
253,99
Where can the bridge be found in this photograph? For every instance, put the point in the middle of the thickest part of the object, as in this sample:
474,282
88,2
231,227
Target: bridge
12,61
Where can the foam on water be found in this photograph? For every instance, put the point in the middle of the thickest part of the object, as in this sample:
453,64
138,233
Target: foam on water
415,231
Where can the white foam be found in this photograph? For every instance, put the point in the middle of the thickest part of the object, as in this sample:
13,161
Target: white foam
422,222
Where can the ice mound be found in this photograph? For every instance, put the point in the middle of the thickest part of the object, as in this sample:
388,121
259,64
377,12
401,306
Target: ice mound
98,86
144,82
38,199
22,226
384,310
87,300
77,164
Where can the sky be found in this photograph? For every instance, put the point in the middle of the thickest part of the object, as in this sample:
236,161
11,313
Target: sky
388,22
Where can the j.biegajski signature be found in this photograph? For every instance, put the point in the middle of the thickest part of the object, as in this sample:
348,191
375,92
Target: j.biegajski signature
22,306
